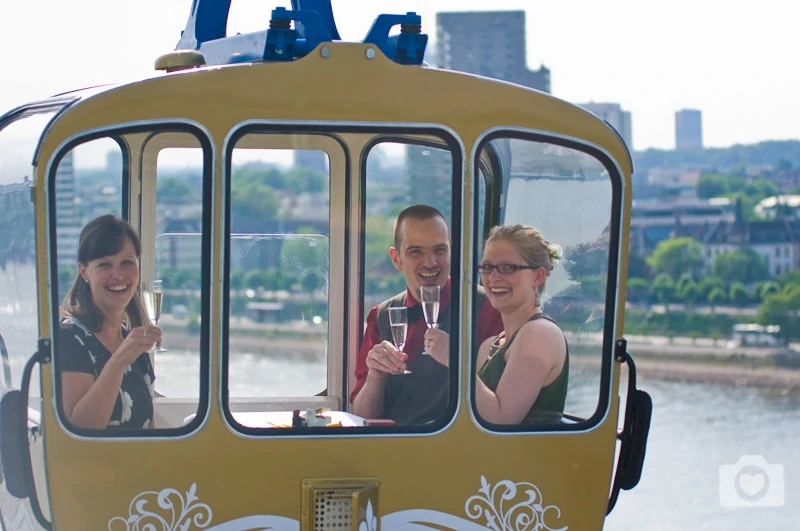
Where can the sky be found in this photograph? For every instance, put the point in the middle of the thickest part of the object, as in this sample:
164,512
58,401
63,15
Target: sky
735,60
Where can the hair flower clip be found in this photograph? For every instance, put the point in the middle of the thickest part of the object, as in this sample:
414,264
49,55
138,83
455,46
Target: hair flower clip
556,253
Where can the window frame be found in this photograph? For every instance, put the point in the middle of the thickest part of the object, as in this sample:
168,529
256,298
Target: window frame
378,132
118,132
617,181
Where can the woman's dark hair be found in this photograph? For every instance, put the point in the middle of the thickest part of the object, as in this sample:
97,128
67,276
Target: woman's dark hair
101,237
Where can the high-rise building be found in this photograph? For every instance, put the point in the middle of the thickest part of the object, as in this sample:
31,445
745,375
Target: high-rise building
618,118
487,43
430,173
68,218
688,129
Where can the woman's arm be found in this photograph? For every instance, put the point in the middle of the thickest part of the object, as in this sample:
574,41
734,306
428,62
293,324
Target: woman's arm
88,403
534,358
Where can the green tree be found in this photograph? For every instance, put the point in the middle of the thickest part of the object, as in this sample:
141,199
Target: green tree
254,280
299,180
637,289
174,190
689,293
741,265
676,257
708,283
587,259
739,294
709,185
716,297
237,280
312,280
765,289
378,236
253,201
637,266
663,289
305,250
782,309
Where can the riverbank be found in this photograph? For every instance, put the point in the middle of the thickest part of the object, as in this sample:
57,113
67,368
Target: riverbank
678,359
778,380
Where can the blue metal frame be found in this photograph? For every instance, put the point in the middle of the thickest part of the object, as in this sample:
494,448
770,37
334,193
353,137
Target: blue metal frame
206,31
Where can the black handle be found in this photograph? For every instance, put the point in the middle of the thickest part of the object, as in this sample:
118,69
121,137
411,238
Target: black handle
635,428
15,453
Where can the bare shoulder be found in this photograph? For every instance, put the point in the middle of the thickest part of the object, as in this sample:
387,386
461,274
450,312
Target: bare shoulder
541,333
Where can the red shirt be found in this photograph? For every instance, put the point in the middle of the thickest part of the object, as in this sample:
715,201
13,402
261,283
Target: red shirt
489,324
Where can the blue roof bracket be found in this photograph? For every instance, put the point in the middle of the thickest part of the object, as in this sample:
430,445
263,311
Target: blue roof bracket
325,11
206,32
408,48
284,43
208,21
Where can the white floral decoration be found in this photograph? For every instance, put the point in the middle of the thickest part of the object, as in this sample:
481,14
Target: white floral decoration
127,406
510,506
175,511
370,522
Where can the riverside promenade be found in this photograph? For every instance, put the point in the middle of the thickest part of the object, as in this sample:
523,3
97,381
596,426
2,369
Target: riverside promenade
656,357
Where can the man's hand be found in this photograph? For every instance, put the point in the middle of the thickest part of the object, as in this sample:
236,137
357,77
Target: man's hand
385,358
437,345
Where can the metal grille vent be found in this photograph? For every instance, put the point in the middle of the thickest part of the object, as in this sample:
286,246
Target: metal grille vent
333,509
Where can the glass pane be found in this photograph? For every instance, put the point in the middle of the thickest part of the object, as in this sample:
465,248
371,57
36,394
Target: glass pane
178,264
279,271
19,320
566,195
407,246
104,281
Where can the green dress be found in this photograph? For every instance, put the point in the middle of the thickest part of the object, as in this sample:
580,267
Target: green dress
549,404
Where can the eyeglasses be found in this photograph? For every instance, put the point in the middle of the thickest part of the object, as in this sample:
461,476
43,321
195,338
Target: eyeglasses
503,269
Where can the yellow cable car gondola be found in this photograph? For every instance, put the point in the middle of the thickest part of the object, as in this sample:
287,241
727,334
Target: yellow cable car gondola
271,249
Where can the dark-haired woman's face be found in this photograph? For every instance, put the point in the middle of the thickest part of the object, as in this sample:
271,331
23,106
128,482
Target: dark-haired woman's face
113,279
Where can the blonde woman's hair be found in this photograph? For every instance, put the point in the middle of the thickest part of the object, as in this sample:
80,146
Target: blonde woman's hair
534,249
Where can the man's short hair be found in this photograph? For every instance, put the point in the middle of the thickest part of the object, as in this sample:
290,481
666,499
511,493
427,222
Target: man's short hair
420,213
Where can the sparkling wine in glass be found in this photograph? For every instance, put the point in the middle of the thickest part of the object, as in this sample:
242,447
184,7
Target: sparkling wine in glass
398,320
153,294
429,297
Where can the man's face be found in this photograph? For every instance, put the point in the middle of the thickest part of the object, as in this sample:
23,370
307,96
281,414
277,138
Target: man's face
424,253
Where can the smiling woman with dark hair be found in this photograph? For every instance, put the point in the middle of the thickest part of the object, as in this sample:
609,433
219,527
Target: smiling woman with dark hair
106,374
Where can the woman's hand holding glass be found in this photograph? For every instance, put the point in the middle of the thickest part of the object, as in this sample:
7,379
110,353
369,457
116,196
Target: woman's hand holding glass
138,341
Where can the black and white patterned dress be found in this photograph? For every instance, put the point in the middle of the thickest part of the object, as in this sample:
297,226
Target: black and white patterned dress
79,350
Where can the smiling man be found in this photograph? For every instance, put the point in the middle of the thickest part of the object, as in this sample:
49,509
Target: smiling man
422,252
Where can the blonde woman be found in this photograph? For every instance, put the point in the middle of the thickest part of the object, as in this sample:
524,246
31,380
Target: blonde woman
524,370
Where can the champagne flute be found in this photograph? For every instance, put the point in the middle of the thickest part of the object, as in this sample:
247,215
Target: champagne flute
398,320
429,297
153,294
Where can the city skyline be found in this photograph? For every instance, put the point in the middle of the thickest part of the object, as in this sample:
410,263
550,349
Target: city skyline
651,59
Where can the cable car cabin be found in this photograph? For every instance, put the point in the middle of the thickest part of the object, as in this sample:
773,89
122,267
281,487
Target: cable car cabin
263,189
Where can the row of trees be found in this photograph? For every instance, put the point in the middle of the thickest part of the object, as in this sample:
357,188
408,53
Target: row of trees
255,189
